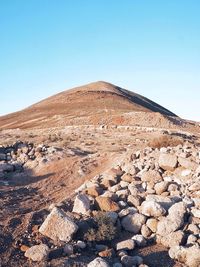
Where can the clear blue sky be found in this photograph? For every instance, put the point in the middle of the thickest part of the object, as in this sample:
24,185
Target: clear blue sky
151,47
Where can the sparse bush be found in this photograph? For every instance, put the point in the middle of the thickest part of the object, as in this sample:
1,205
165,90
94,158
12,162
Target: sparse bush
165,141
103,229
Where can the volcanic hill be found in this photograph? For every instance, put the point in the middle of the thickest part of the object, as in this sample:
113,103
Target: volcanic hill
94,103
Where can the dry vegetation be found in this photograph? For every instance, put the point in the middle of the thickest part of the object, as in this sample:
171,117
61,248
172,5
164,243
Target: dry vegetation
165,141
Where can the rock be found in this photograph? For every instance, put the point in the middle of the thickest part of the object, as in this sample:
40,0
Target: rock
189,256
81,204
151,176
128,244
98,262
152,209
6,167
173,221
167,162
195,212
187,163
37,253
145,231
130,261
139,240
133,222
134,200
126,177
2,156
161,187
173,239
108,253
66,225
68,249
106,204
191,240
94,191
152,224
81,244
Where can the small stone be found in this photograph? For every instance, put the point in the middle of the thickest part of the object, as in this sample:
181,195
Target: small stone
37,253
68,249
81,244
108,253
128,244
161,187
130,261
152,224
139,240
98,262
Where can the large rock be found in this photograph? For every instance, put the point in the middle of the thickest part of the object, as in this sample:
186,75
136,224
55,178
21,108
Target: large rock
152,209
173,239
98,262
189,256
151,176
58,226
125,245
173,221
167,162
37,253
130,261
133,222
188,164
106,204
81,204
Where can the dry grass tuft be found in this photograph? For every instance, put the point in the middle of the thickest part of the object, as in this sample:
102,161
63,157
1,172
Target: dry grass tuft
165,141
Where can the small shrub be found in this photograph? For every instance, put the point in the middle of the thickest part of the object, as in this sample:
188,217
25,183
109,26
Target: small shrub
103,230
165,141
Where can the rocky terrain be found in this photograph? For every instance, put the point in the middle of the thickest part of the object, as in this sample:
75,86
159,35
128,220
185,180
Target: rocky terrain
112,186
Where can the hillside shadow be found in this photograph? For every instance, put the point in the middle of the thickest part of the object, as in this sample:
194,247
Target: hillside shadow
22,178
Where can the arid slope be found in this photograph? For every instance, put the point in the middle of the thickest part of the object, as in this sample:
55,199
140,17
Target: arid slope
82,105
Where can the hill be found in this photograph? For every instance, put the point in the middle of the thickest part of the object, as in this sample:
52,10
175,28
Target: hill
87,104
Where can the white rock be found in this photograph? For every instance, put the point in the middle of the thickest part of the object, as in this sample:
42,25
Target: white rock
167,162
139,240
133,222
189,256
98,262
81,204
128,244
152,209
38,252
58,226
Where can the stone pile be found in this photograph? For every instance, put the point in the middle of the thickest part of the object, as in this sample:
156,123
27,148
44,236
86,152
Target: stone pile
152,195
21,155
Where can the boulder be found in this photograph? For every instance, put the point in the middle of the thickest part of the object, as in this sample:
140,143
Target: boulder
151,176
133,222
81,204
152,209
58,226
106,204
167,162
173,221
37,253
139,240
173,239
186,255
188,163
